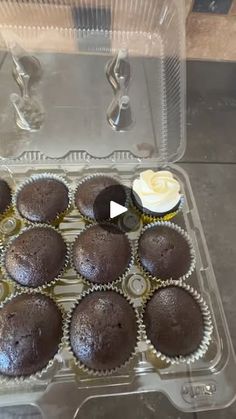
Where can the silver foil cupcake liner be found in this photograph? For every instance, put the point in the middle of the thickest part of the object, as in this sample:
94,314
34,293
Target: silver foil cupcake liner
183,234
40,288
207,321
114,281
76,361
85,179
30,379
41,176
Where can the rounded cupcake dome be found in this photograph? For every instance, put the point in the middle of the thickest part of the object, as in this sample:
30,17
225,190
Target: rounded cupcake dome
101,253
36,257
103,331
174,321
42,200
30,334
5,196
165,251
87,196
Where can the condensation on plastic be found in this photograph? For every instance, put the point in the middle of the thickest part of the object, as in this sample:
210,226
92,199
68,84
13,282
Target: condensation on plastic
74,40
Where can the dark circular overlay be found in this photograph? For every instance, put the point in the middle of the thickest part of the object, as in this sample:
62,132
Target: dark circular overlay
128,221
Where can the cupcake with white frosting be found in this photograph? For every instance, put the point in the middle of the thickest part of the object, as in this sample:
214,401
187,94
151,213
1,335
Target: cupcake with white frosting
156,195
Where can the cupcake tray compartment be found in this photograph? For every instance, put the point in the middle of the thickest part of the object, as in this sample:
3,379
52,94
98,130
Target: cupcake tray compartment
208,383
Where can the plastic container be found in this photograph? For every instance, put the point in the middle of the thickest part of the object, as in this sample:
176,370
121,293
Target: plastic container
74,42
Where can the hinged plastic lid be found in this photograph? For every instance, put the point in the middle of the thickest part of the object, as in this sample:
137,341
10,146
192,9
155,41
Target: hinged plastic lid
102,79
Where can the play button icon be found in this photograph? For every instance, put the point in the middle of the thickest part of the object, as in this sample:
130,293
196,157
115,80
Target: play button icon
116,209
113,205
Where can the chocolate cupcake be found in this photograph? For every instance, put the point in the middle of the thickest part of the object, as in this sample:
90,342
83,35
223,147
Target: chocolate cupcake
5,196
165,251
87,196
101,253
30,334
42,199
177,323
156,195
103,331
36,257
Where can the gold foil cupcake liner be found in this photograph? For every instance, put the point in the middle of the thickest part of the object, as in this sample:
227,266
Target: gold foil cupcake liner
9,208
207,321
7,176
40,288
184,234
115,281
148,218
76,361
42,176
7,211
85,179
30,379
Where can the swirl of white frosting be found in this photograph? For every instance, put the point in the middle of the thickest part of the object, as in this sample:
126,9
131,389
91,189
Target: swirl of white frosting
158,191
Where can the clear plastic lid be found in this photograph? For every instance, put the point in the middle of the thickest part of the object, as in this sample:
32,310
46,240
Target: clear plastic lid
92,79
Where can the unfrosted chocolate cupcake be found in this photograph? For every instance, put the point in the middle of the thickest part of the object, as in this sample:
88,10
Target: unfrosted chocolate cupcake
174,321
42,200
89,191
36,257
30,334
165,252
5,196
101,255
103,330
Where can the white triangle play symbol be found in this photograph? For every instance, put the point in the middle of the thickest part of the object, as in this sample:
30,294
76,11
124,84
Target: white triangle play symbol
116,209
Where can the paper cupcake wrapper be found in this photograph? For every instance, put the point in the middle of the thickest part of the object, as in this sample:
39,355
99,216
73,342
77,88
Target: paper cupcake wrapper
40,288
29,379
76,361
114,281
207,321
85,179
148,218
41,176
186,237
